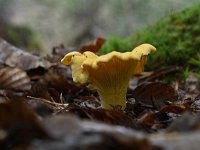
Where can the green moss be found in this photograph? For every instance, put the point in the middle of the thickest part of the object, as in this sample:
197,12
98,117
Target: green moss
117,44
177,39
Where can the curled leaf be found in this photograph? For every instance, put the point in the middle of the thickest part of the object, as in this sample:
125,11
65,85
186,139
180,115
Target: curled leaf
95,46
14,79
154,95
15,57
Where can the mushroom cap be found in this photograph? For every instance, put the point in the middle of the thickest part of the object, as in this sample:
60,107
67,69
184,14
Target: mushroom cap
67,60
76,59
137,54
82,62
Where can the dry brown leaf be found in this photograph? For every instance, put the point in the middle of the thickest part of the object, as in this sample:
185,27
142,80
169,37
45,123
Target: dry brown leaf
106,116
58,77
155,94
153,121
94,47
15,57
19,125
72,134
160,73
14,79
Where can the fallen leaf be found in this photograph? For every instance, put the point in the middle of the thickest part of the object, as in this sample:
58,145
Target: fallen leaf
154,95
14,57
58,77
176,141
94,47
154,121
71,133
106,116
14,79
160,73
18,125
187,122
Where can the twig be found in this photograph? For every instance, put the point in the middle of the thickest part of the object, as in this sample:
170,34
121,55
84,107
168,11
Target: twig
47,101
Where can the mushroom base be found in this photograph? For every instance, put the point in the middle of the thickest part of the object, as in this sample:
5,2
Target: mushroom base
113,99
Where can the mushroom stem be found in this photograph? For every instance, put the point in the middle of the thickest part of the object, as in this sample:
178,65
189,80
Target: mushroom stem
113,97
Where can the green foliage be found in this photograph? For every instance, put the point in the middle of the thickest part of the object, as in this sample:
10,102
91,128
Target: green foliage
116,44
196,61
177,39
185,73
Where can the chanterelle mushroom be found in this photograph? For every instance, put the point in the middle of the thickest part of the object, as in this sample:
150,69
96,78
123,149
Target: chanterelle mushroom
109,74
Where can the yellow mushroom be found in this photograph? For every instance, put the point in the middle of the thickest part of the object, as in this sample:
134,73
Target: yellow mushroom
109,74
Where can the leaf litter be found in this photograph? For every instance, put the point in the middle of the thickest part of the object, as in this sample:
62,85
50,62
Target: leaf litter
42,108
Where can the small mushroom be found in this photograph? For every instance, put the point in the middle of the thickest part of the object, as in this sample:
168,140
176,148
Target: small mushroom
109,74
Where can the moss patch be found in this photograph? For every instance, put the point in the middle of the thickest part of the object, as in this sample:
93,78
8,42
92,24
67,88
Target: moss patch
176,37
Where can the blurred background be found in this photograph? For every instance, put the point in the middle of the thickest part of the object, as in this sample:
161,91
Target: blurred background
42,24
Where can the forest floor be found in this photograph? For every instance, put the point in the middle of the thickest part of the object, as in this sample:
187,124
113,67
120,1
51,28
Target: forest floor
42,108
